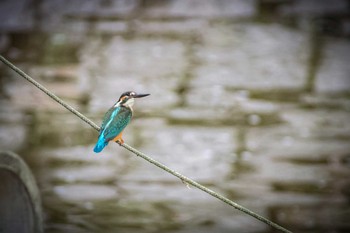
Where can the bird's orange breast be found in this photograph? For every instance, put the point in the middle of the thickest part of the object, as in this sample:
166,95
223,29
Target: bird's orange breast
118,138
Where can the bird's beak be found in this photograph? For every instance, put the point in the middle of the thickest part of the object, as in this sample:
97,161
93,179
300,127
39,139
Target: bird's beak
141,95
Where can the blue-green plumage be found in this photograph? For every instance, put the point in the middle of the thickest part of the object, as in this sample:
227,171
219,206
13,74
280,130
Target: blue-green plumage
116,119
119,119
114,122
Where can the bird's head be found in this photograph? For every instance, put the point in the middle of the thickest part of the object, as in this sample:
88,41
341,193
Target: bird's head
127,98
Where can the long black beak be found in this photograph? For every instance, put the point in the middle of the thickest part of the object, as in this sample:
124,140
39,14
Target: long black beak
140,95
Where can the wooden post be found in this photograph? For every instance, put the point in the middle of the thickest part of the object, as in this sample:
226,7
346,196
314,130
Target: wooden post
20,204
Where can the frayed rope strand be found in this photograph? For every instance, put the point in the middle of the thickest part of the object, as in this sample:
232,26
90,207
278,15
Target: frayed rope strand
144,156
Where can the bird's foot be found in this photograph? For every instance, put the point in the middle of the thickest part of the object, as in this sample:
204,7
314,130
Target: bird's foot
120,141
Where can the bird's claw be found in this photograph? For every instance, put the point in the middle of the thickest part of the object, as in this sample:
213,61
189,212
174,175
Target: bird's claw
120,142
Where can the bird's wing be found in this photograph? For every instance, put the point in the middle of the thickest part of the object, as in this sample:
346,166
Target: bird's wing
120,120
107,117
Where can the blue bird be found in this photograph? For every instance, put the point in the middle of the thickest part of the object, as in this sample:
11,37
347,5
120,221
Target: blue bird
116,119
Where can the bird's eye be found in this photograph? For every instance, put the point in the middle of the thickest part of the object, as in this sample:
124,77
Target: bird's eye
132,93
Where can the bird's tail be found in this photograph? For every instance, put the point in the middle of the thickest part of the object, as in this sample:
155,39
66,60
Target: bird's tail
101,143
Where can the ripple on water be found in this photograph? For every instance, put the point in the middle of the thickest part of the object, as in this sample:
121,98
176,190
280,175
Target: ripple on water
85,192
89,173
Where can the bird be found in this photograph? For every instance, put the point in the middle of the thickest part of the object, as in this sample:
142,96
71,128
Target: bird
116,119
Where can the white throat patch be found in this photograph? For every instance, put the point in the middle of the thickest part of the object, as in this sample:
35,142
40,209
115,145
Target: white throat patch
129,103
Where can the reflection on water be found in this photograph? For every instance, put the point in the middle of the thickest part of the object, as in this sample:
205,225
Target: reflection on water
241,105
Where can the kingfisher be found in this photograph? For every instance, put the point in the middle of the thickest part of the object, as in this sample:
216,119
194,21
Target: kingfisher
116,119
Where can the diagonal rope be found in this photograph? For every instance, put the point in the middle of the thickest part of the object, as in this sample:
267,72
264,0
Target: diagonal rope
144,156
49,93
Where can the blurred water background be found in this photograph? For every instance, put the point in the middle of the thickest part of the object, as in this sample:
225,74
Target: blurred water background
248,97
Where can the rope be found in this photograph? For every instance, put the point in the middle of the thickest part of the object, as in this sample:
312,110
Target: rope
144,156
49,93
